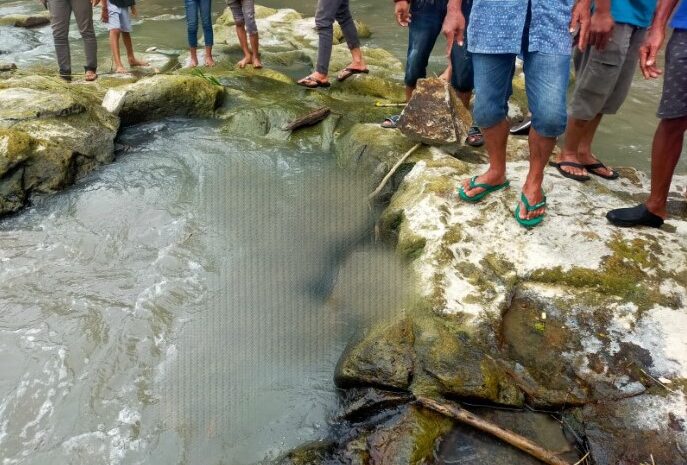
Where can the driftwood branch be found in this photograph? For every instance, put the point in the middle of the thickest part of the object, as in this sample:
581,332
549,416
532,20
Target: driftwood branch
310,119
452,410
391,173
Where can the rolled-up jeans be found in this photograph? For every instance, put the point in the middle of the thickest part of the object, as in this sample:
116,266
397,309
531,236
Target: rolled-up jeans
546,83
327,12
60,14
193,8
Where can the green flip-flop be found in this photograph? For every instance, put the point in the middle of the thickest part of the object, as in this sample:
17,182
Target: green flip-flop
488,189
531,223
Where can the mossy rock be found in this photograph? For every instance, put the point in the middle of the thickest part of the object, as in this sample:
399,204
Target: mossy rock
370,148
317,453
169,95
25,103
409,439
27,21
452,354
15,148
384,358
373,86
362,29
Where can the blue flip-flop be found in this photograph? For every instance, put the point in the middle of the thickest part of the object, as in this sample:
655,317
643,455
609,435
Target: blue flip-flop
488,189
530,223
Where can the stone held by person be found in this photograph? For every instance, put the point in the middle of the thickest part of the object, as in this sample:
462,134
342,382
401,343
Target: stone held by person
434,114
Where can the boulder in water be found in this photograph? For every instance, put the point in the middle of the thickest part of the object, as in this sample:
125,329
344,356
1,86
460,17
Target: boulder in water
4,67
26,21
434,115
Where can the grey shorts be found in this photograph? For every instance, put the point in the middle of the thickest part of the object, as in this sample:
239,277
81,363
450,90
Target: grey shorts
604,77
118,18
244,14
674,99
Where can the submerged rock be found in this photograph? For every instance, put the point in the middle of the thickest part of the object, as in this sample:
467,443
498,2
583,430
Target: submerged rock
434,115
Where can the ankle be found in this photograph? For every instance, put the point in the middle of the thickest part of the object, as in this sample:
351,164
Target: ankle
657,207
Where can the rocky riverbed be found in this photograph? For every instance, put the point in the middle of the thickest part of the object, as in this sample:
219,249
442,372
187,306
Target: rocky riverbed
575,318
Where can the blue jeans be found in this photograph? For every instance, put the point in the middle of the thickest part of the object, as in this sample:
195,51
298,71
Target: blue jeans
546,84
426,21
204,7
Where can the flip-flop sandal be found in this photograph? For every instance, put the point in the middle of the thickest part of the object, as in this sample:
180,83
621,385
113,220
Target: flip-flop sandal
391,122
522,128
312,83
592,167
348,72
565,174
488,189
475,134
531,223
91,78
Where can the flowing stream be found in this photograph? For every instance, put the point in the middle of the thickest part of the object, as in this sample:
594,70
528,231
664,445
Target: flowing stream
189,306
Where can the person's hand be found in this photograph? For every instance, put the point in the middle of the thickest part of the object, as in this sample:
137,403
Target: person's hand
402,12
648,52
601,29
454,28
134,10
579,25
104,14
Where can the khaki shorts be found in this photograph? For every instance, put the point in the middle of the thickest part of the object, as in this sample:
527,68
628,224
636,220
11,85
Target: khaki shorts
604,77
674,99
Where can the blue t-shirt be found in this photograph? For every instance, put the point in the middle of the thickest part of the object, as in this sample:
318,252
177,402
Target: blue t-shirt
633,12
680,18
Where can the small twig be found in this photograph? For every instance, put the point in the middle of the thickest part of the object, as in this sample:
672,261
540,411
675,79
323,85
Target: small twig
391,173
657,381
310,119
458,413
380,104
582,459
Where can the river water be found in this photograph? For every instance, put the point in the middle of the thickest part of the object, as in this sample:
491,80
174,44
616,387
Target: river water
188,306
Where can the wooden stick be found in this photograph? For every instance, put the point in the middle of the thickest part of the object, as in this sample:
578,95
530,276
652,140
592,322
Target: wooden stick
454,411
380,104
391,173
310,119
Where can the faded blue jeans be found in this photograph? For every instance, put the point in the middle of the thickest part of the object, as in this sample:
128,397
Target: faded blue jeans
204,7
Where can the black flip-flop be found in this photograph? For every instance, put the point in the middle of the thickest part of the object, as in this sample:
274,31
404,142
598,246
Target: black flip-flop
522,128
592,167
635,216
575,177
391,122
314,83
474,131
348,72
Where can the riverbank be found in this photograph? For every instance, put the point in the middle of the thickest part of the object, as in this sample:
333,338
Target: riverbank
575,317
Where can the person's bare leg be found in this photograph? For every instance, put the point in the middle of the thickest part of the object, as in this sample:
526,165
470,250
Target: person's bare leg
584,151
665,153
114,46
255,46
446,75
409,92
575,131
496,139
193,51
128,45
243,42
209,61
540,151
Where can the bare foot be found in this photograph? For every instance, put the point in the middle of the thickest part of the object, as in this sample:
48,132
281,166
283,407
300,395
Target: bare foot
121,70
247,59
491,178
91,76
257,63
209,61
193,59
136,62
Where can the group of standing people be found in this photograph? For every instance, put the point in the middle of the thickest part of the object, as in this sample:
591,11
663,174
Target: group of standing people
608,39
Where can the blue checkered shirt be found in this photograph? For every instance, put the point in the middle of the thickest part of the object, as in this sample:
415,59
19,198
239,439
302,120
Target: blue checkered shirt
496,26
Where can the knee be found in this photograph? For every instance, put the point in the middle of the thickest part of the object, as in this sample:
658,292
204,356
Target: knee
550,121
488,112
324,23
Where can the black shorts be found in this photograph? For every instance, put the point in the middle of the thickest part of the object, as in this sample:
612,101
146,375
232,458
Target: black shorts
674,99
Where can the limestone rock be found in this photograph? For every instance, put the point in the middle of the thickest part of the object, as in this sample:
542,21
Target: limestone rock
25,20
384,358
434,115
21,103
15,148
169,95
114,100
4,67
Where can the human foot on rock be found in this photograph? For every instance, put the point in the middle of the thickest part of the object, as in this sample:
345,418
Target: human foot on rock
487,179
570,166
209,61
247,59
350,70
257,63
121,70
594,166
90,76
534,196
137,63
